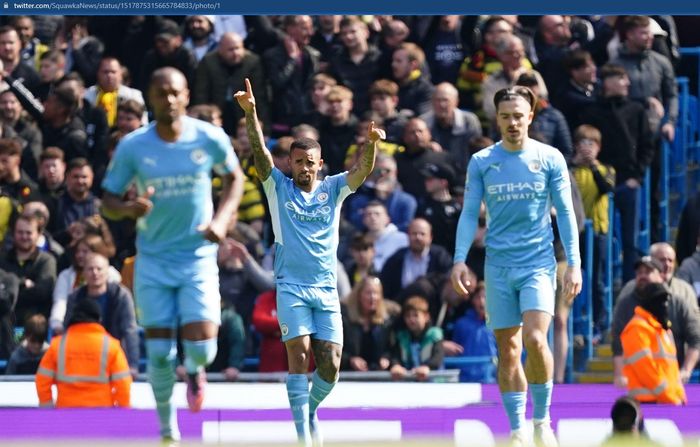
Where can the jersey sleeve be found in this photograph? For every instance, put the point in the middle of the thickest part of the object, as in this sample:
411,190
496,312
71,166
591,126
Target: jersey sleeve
560,189
469,218
339,186
121,170
225,159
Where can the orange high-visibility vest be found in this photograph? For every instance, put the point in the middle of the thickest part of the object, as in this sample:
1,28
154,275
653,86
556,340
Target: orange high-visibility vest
88,367
650,362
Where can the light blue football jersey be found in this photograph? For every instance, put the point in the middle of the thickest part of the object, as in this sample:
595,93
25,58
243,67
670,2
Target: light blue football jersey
306,228
519,189
180,173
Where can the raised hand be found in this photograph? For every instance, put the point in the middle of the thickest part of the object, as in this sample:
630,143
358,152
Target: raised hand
375,134
245,98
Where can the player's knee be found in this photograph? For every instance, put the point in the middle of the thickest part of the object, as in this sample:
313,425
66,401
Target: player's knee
535,340
202,352
161,352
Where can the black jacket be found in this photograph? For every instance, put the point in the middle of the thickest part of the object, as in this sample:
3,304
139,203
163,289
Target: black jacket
440,261
627,140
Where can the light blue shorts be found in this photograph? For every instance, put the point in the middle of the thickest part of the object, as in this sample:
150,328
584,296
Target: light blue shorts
314,311
172,294
510,291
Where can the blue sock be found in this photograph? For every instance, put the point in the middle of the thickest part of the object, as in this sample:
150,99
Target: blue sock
514,403
161,355
298,393
541,399
198,353
319,390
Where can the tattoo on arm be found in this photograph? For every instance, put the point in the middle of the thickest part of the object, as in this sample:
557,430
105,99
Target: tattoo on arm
364,165
261,156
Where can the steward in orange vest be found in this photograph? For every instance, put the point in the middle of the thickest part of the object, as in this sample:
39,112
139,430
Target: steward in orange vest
650,363
87,365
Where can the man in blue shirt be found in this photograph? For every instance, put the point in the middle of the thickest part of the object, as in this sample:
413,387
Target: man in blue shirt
305,215
520,179
176,276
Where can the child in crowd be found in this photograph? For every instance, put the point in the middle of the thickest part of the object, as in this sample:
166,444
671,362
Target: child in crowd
26,357
418,346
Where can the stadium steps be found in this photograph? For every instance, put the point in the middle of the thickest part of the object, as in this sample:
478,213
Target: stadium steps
599,369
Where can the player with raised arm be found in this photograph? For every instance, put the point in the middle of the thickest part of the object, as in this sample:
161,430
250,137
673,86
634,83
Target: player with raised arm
176,276
305,217
519,179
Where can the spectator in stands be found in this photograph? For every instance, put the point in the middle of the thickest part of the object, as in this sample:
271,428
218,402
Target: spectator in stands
83,51
280,155
221,73
110,90
549,123
11,59
362,254
36,270
417,348
356,65
651,366
386,236
510,51
168,51
415,90
383,186
318,90
627,147
438,206
290,67
337,130
52,67
46,241
13,181
241,278
392,33
451,127
476,339
52,174
78,200
553,41
445,49
421,257
651,76
11,115
26,357
479,65
326,39
131,115
60,125
199,35
689,271
71,278
32,47
367,325
354,151
420,149
595,180
579,92
683,314
9,290
384,99
116,306
273,355
231,344
688,227
73,364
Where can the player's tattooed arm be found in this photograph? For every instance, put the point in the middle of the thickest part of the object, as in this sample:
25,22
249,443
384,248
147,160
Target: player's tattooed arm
261,156
365,163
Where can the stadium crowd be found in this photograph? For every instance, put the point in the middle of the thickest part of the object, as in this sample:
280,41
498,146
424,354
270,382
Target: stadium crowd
72,87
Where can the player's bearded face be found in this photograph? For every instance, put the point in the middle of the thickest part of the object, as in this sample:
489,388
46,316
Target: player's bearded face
305,166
